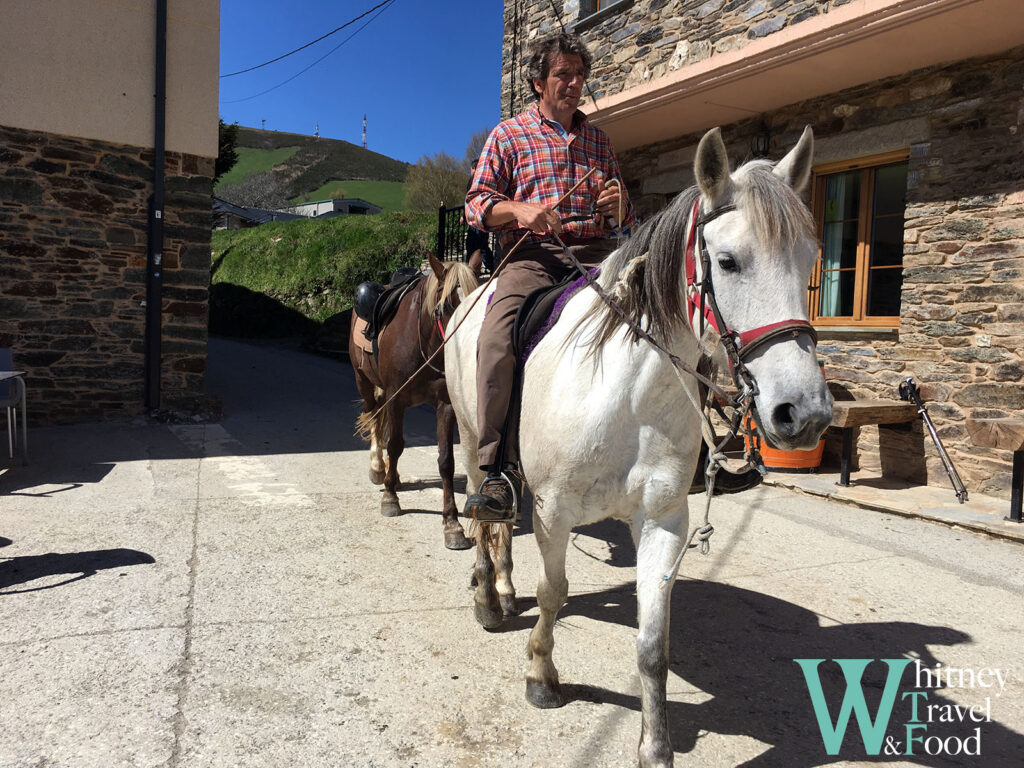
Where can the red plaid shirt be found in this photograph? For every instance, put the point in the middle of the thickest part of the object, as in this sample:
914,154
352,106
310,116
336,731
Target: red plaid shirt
527,159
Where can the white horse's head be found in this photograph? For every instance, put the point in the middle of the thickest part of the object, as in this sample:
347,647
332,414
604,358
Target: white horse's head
761,256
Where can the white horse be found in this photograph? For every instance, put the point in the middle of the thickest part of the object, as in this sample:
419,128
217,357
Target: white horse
606,428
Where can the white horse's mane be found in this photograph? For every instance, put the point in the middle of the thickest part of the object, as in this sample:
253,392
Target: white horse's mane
652,293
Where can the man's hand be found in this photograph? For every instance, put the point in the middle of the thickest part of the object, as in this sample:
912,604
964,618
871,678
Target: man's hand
538,218
609,198
533,216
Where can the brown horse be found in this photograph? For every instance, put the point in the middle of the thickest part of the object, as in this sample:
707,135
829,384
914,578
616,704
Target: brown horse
403,346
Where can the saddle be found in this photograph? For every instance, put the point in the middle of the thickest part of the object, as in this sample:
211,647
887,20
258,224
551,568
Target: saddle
386,304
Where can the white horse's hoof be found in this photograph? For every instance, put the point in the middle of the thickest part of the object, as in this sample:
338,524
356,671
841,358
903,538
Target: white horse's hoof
544,696
377,476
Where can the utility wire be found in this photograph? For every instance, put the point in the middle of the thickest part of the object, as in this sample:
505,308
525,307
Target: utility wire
383,7
301,48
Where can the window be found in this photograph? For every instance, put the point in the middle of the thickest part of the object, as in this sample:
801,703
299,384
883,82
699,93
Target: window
859,210
593,12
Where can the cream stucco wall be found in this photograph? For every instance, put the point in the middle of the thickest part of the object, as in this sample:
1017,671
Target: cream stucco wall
86,68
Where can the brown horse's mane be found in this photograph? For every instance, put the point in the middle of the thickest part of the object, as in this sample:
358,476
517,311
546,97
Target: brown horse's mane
457,277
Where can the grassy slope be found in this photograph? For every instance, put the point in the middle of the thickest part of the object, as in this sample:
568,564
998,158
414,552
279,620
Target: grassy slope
313,266
313,163
389,195
253,161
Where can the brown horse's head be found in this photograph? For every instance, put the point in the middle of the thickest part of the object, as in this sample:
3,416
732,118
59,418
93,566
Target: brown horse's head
449,283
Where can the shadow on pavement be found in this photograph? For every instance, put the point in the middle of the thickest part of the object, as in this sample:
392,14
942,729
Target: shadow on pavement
78,565
738,647
276,400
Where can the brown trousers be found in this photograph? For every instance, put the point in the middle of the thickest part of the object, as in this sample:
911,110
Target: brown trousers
532,267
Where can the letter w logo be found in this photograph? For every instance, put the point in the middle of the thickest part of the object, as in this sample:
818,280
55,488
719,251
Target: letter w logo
871,732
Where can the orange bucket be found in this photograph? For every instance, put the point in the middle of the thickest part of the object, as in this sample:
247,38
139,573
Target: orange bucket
785,461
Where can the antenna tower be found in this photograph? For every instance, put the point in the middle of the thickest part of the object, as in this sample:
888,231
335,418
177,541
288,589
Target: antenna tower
364,131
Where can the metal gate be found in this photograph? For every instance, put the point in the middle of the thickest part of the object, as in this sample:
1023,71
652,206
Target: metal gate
451,237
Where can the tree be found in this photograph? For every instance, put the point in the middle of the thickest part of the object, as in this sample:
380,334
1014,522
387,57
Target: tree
475,147
227,137
436,180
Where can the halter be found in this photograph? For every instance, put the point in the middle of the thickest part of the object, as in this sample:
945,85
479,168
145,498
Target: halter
700,297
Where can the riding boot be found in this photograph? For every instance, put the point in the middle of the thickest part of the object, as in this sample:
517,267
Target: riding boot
497,500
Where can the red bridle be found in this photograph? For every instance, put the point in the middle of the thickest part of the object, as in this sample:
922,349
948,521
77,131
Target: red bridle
703,308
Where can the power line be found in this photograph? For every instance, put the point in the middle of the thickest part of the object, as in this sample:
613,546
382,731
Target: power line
301,48
383,7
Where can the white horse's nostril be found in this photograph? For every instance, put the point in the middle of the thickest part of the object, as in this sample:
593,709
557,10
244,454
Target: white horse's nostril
784,419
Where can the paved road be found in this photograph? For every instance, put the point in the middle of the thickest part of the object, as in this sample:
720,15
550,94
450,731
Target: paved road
227,594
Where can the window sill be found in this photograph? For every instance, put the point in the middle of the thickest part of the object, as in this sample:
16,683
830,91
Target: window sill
598,16
856,333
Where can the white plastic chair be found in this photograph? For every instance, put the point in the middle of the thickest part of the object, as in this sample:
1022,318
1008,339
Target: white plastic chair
12,397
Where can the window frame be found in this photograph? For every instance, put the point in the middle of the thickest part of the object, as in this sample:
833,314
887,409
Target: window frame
865,219
594,12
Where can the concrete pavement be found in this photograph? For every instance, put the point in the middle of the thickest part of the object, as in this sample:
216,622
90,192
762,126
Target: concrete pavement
227,594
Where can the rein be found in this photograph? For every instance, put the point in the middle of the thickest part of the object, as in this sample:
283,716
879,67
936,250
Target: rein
437,316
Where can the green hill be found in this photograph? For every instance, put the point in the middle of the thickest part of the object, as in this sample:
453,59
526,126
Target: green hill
305,165
287,277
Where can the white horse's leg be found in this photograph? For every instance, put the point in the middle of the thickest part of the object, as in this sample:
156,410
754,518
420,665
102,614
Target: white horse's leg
542,688
659,546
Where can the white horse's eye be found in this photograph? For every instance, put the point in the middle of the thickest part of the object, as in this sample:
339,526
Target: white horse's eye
727,263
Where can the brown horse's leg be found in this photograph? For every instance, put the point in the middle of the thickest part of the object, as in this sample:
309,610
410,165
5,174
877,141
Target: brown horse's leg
485,598
389,506
503,572
454,535
371,428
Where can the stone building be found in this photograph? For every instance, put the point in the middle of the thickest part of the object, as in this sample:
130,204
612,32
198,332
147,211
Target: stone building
918,112
77,157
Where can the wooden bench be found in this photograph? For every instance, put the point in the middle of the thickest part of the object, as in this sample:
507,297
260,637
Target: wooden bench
1006,435
847,414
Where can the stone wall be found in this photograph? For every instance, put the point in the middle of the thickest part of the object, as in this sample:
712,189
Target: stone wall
633,42
73,223
961,333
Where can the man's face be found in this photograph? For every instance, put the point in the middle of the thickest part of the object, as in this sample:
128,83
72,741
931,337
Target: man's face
562,89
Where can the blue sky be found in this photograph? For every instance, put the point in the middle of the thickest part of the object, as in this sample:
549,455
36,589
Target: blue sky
427,74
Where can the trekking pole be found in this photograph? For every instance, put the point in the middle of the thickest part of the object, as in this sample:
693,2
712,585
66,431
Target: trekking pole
909,391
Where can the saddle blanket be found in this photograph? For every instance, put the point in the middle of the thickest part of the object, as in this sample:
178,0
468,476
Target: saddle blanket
540,311
359,334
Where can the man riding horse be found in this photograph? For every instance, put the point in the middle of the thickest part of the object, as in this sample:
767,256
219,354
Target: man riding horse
527,164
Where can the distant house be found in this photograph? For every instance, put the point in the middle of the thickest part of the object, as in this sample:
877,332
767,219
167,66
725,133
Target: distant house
349,206
229,216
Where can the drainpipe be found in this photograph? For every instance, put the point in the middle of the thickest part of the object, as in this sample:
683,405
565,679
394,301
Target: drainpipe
155,238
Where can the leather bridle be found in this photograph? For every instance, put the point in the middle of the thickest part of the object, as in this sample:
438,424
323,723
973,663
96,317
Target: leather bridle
703,308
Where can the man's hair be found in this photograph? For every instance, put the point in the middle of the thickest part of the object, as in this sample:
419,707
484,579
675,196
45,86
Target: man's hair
541,52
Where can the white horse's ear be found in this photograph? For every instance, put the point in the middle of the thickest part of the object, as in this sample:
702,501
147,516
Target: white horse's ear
795,167
712,167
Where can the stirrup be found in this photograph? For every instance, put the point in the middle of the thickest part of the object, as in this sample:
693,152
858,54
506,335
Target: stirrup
512,486
513,510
